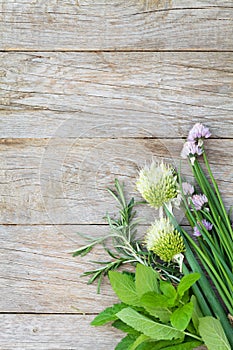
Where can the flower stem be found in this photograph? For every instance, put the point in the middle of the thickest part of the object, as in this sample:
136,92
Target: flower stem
218,194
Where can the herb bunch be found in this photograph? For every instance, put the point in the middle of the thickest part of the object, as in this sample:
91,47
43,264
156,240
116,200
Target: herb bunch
122,244
181,293
156,315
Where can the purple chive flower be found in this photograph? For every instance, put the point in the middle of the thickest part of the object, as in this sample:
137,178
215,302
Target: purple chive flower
199,200
188,189
199,131
207,225
196,232
191,149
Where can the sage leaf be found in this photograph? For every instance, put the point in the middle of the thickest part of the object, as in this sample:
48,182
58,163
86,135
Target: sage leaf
148,327
187,282
124,287
182,316
212,333
108,315
146,280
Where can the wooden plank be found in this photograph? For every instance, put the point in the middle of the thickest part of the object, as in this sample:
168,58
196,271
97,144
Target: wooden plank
64,181
103,25
55,332
38,273
114,94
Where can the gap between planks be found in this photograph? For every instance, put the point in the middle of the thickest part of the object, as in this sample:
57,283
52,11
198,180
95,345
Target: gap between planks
113,51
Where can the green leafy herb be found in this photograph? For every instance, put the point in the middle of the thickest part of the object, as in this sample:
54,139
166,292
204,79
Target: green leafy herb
197,314
181,317
108,315
146,280
189,345
140,339
124,287
153,312
118,324
143,324
126,342
157,307
160,344
213,334
168,289
186,282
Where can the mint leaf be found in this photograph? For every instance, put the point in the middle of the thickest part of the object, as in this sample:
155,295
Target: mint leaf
108,315
185,298
162,313
142,338
184,346
124,327
161,344
212,333
187,282
196,312
167,289
153,299
146,280
126,342
148,327
151,303
124,287
148,345
157,300
169,292
182,316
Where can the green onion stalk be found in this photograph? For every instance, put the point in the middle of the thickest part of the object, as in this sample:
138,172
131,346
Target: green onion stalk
208,217
215,249
203,290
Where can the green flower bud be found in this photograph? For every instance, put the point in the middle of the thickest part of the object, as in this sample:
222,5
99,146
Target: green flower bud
164,240
158,184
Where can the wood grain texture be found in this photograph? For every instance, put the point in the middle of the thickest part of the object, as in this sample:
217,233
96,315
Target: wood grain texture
111,25
39,275
53,332
114,94
89,95
64,181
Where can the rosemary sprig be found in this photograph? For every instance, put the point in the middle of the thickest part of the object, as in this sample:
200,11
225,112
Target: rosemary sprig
125,248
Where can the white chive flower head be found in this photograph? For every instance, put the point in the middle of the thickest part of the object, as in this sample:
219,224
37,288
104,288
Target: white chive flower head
164,240
158,185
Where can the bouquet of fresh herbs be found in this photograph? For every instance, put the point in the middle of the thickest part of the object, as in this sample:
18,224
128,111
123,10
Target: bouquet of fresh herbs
180,295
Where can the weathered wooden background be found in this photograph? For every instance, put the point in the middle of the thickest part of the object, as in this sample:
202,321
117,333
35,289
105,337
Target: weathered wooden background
90,90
